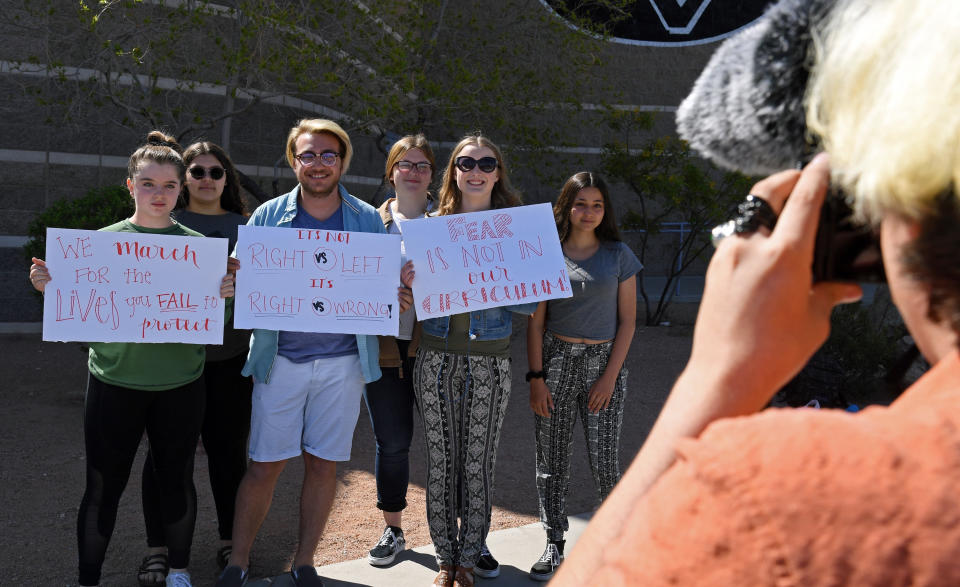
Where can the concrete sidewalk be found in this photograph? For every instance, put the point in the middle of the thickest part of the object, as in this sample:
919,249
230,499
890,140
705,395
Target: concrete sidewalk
516,549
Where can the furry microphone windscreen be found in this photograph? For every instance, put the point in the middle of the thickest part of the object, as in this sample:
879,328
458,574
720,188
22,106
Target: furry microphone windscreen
746,111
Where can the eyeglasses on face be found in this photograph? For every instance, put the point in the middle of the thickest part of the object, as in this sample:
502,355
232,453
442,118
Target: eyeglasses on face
328,158
197,172
486,164
408,166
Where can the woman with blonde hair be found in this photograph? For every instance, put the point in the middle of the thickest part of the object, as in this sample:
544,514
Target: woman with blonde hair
718,496
462,383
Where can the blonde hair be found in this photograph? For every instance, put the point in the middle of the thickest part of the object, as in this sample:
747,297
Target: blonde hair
317,126
503,194
884,97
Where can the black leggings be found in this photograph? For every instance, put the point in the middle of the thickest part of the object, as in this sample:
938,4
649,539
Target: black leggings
114,421
226,426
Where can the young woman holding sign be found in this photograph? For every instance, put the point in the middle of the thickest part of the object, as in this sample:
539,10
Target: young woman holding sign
409,169
137,387
576,348
462,383
211,205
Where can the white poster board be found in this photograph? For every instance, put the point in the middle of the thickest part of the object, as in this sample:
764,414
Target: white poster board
303,280
466,262
133,287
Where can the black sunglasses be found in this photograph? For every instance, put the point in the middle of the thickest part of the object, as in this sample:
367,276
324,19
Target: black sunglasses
486,164
198,172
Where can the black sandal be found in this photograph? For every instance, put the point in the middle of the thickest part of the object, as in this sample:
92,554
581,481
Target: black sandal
153,565
223,556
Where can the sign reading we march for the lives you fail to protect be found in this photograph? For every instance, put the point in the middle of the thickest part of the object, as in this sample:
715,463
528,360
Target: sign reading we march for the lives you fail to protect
467,262
133,287
309,280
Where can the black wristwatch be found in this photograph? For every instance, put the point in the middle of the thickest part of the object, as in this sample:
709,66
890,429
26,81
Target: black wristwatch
535,375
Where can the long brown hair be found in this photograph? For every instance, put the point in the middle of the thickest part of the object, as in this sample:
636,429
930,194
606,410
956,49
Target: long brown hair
607,230
230,199
503,194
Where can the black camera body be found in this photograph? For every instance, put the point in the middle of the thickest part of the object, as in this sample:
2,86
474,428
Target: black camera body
845,250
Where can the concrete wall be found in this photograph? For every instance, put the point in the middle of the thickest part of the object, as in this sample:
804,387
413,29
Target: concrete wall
44,159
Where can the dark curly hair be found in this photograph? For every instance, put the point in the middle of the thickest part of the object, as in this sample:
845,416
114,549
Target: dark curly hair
932,259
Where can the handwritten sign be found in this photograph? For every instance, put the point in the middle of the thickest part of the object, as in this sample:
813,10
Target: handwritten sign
133,287
317,280
479,260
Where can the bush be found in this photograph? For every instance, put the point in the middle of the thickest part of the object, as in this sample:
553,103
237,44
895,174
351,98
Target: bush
853,365
101,206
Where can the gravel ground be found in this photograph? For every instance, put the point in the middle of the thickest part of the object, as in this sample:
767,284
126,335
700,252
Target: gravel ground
41,476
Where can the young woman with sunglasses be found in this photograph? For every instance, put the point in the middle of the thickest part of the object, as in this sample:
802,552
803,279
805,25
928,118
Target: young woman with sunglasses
211,205
135,388
409,170
462,384
576,348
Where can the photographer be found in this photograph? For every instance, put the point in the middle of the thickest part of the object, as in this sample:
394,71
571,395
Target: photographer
815,497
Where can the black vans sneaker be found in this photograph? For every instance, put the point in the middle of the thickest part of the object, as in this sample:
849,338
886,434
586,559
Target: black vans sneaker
387,548
549,561
487,566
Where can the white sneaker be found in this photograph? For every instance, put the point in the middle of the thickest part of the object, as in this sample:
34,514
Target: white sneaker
179,580
387,548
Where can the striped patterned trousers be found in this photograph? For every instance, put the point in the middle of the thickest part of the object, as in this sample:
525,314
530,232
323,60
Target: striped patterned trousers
570,371
462,401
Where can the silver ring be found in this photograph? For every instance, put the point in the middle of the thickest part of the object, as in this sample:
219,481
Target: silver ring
754,212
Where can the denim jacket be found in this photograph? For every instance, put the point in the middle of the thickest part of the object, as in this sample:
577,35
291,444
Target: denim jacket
358,216
488,324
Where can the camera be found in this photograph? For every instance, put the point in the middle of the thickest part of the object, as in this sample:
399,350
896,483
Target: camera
845,250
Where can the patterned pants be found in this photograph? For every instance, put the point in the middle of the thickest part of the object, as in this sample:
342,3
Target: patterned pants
571,370
462,401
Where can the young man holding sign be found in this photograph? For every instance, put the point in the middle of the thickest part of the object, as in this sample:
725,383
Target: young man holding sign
307,385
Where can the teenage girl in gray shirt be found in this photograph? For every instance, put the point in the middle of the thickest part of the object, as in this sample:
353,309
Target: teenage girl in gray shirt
576,347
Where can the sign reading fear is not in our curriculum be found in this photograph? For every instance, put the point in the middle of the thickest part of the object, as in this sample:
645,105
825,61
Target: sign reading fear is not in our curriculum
467,262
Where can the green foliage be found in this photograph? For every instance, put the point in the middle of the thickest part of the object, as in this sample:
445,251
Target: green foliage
438,66
864,342
670,185
99,207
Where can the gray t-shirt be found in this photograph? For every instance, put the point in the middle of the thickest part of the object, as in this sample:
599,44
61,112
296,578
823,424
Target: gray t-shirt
235,342
592,311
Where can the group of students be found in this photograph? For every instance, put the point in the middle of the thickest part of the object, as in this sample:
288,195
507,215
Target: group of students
454,370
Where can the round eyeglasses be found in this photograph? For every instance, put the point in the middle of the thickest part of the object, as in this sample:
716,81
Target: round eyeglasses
308,158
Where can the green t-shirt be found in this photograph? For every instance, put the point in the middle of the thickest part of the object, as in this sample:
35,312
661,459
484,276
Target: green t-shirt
142,365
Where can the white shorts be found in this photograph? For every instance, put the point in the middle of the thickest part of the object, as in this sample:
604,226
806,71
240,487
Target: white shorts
311,407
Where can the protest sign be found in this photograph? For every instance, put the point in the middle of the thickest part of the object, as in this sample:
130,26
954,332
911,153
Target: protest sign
133,287
317,280
467,262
